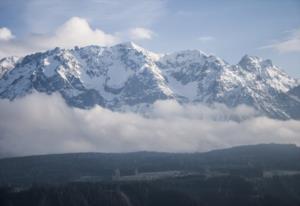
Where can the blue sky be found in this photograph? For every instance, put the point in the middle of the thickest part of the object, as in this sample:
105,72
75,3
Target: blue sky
228,29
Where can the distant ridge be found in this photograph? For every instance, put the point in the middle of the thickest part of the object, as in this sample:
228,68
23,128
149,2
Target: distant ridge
60,168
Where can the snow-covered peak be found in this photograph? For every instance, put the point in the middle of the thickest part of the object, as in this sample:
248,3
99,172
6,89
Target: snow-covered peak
128,76
254,63
263,72
184,56
250,62
131,46
250,58
191,59
7,64
217,60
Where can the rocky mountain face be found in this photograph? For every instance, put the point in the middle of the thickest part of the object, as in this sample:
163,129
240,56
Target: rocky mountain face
7,64
128,77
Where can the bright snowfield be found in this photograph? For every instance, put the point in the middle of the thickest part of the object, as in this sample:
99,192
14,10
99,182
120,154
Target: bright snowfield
125,98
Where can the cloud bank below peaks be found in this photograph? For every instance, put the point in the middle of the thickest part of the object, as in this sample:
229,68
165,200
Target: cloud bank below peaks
42,124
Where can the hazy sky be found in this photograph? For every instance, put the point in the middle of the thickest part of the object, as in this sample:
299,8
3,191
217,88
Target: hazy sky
228,29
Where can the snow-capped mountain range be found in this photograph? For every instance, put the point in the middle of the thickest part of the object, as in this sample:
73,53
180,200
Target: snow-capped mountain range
126,76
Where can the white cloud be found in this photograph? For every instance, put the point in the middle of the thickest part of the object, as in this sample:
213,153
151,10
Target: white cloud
27,127
5,34
205,39
290,44
140,33
74,32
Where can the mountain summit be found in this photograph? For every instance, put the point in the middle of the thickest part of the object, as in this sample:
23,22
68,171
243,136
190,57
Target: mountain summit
128,76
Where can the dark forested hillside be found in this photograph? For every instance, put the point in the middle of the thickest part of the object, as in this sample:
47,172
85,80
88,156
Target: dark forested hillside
258,175
186,191
64,168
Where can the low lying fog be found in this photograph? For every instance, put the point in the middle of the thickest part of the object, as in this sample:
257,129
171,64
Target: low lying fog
42,124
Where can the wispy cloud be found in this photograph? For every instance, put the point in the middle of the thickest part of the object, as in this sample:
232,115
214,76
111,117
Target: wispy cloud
185,13
290,44
27,127
140,33
205,39
114,14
